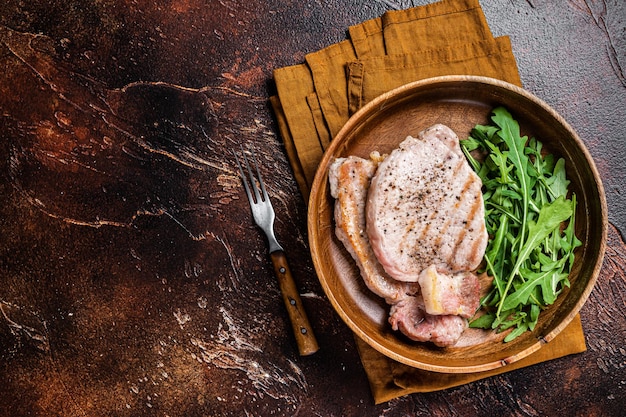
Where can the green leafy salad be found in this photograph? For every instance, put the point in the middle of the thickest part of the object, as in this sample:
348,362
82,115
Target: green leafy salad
530,220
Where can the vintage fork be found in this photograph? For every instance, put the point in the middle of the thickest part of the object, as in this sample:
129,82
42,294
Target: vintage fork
263,214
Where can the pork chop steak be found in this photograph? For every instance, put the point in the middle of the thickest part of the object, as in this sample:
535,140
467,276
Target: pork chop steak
349,180
425,207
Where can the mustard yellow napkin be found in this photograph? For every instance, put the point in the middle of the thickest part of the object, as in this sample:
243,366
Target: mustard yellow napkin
370,77
434,26
315,99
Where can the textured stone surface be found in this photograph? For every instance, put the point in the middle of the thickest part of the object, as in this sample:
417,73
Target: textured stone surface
132,280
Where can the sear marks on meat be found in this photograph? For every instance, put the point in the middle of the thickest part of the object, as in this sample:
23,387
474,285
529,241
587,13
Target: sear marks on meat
414,224
349,182
425,208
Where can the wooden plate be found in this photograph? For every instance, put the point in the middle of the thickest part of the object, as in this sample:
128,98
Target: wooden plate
459,102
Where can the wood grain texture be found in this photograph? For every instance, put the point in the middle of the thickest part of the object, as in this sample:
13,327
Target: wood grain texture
302,330
133,281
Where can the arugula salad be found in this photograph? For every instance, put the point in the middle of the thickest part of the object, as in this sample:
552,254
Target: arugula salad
530,220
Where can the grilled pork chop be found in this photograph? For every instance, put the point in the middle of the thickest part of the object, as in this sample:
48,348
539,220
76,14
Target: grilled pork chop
425,208
349,180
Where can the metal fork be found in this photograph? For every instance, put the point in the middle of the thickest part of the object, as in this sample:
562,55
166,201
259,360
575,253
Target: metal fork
263,214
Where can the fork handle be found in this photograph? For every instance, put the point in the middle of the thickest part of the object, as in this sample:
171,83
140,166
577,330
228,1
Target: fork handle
307,344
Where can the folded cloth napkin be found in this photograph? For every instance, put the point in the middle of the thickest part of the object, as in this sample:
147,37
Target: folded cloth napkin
315,99
370,77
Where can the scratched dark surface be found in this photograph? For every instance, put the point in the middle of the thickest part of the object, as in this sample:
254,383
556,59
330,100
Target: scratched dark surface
132,280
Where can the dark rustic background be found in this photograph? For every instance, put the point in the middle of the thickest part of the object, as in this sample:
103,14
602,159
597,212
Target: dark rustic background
132,280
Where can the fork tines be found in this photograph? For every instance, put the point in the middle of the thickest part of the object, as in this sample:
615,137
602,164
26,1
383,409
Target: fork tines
253,188
262,210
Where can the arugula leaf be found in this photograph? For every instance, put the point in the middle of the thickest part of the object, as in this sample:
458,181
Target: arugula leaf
558,186
550,217
530,253
482,322
521,328
510,134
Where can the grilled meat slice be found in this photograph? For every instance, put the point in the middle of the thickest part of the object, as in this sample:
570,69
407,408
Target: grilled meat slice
414,224
425,208
349,182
